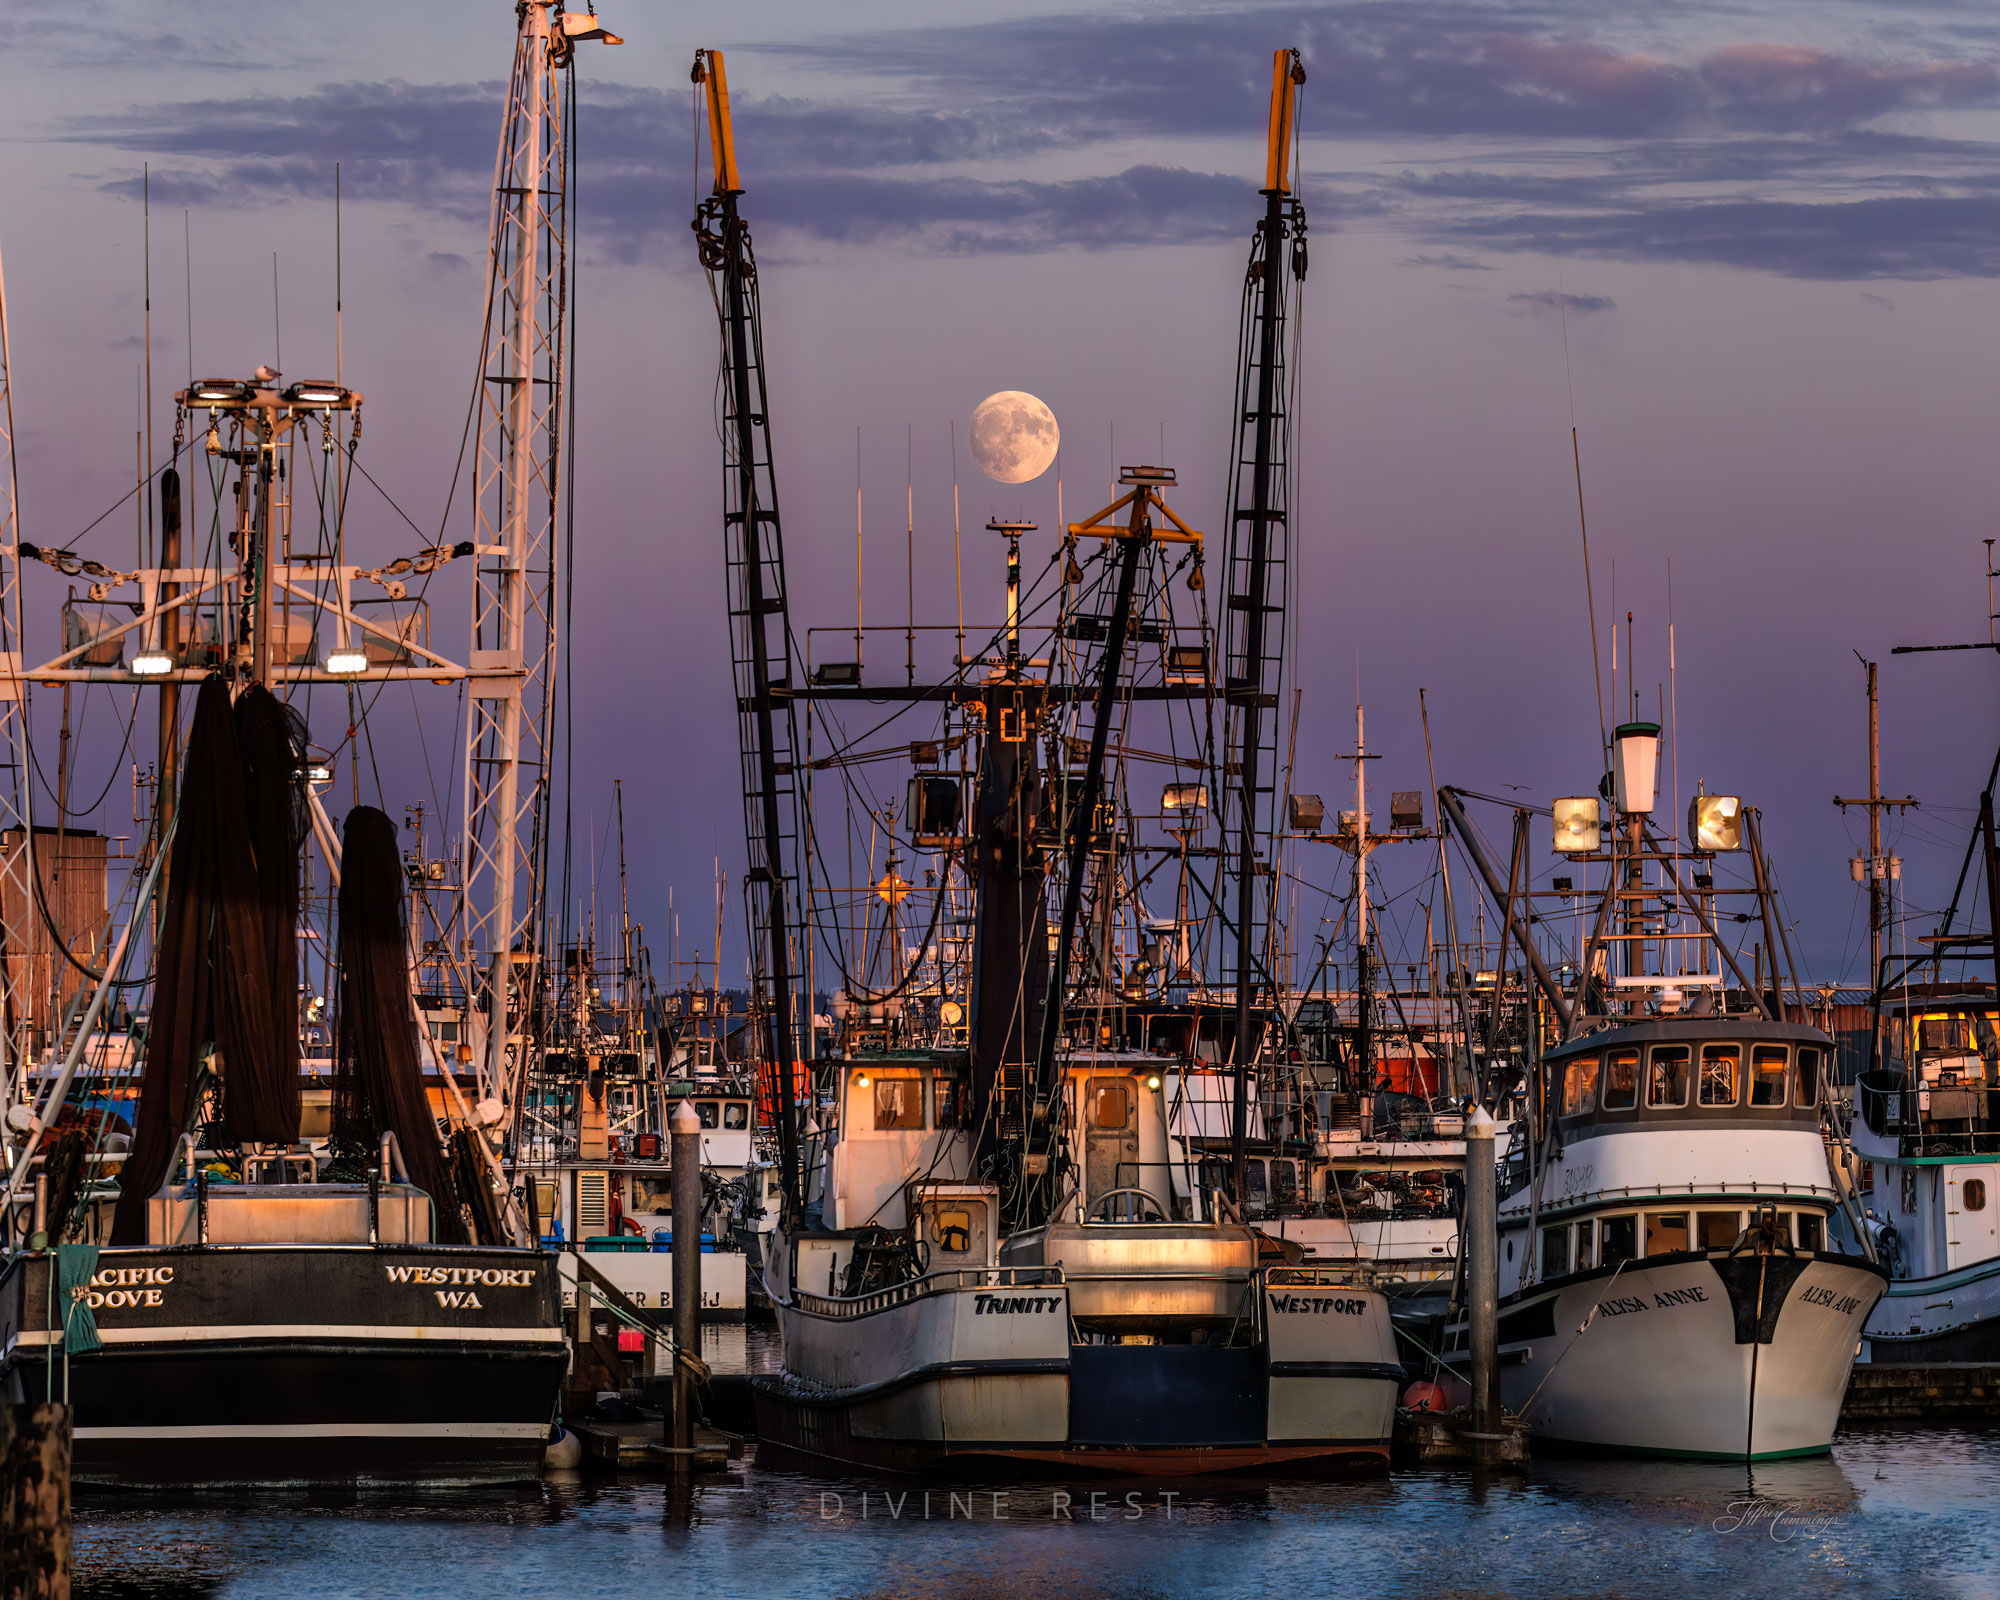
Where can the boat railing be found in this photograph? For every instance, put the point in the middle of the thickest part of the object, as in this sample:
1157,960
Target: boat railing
949,1280
1347,1275
1689,1190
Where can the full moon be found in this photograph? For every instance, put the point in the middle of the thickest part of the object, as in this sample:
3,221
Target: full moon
1014,436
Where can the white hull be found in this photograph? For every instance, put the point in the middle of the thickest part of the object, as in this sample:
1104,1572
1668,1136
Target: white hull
1662,1367
979,1363
646,1277
1951,1316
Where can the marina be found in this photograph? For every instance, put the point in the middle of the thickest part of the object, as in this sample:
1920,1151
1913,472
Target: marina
1132,1025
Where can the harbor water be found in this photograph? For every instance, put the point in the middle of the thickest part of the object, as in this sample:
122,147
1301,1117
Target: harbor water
1905,1514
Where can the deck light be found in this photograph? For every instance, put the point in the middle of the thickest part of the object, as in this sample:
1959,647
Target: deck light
218,391
151,664
346,661
316,392
1184,797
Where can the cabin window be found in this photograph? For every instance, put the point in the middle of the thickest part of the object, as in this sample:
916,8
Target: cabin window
953,1232
1579,1086
1974,1194
1168,1036
1555,1252
1812,1231
1807,1091
1943,1035
1867,1177
1767,1075
1253,1182
1621,1080
1584,1230
1285,1182
1667,1075
707,1110
950,1097
1721,1065
1111,1106
1618,1240
736,1114
1666,1232
1718,1230
899,1103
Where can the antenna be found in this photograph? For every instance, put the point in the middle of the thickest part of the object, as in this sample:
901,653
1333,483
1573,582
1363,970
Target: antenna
147,235
1583,529
957,569
910,548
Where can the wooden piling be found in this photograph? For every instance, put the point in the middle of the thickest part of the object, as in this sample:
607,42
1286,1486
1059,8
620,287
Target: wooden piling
34,1502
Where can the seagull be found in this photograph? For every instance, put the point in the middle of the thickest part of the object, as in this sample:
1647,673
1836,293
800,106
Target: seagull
267,375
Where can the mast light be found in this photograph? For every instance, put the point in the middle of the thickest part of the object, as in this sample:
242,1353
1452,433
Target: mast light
1635,761
346,661
152,664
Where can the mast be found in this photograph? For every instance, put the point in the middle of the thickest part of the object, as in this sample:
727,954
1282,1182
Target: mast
517,507
760,632
15,799
1258,538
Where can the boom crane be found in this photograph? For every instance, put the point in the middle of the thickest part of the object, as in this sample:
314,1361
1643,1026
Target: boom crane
1258,542
760,633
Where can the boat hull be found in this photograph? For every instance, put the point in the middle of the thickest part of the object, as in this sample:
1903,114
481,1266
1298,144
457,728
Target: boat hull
976,1369
301,1366
1695,1354
1950,1317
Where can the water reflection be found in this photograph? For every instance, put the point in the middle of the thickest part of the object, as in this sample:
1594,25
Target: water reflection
1907,1514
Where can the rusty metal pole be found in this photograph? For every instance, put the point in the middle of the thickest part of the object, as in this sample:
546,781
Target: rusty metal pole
685,1157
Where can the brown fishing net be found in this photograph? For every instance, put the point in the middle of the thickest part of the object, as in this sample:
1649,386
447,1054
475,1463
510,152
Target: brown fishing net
226,963
378,1082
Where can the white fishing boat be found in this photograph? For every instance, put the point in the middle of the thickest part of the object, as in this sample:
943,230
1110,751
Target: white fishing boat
1668,1273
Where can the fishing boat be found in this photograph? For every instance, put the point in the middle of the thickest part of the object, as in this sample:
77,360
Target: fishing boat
996,1244
1670,1281
263,1229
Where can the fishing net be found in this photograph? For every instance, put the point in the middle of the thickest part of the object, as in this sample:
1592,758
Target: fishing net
378,1080
222,982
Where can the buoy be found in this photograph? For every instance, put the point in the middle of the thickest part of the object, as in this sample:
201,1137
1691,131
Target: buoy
1446,1394
564,1452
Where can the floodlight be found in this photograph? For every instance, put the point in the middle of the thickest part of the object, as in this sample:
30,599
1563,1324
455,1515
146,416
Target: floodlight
1184,797
151,664
346,661
1579,825
1715,822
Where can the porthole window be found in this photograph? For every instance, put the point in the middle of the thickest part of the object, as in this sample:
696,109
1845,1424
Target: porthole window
1975,1194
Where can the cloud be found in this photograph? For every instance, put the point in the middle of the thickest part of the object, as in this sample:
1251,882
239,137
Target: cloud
1608,152
1913,238
1553,300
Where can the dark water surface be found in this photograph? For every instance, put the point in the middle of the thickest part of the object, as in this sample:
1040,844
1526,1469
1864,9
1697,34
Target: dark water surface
1894,1514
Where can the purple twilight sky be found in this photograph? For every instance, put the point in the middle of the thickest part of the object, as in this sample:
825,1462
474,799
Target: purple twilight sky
1776,226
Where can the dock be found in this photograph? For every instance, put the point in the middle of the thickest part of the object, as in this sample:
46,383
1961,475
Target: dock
1946,1391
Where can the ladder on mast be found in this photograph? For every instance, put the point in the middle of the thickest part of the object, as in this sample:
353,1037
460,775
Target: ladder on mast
760,632
1257,544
